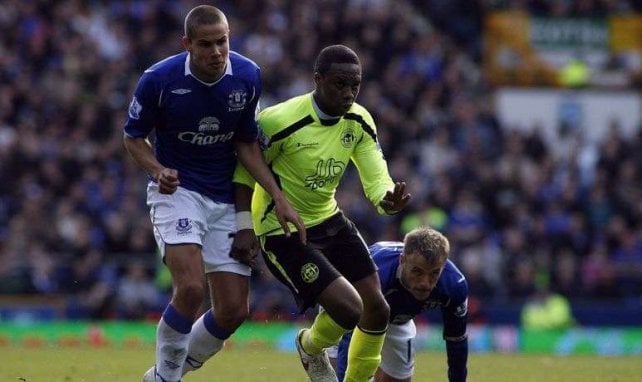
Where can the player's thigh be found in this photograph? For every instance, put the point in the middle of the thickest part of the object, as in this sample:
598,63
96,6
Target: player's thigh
230,293
179,224
302,268
185,264
398,352
177,219
348,252
218,238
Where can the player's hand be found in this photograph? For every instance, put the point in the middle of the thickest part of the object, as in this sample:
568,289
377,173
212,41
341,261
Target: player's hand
167,181
395,200
245,247
286,213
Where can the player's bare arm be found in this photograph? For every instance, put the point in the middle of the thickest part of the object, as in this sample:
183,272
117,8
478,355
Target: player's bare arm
141,151
252,159
245,246
395,200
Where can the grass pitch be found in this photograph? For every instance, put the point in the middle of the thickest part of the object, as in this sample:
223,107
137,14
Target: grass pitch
55,364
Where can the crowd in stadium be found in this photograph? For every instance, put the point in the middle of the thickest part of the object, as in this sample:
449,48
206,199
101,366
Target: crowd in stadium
520,212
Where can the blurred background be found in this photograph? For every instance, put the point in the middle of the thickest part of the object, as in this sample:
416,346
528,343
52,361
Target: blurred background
515,123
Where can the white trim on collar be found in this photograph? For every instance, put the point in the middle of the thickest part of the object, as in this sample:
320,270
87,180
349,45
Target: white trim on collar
228,71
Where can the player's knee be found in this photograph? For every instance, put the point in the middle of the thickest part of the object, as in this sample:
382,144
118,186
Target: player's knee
190,294
348,313
377,312
231,317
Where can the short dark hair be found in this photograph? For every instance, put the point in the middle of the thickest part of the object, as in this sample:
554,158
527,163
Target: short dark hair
334,54
202,15
427,242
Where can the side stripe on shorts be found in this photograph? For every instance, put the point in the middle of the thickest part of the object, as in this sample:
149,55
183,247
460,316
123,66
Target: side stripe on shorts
272,257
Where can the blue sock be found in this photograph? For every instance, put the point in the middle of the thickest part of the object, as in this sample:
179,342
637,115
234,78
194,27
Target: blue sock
212,326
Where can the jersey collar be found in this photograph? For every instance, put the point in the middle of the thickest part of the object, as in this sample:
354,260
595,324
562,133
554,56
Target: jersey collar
325,119
228,71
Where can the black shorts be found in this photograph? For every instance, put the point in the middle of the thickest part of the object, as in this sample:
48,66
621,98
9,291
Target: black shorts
335,248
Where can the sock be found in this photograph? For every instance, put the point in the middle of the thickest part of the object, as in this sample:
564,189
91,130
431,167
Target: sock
172,339
206,340
364,354
324,333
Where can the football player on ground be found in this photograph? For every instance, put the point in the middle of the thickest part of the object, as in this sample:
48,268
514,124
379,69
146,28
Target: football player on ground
416,275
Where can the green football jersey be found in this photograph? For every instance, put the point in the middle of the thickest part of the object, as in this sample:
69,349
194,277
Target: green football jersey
309,158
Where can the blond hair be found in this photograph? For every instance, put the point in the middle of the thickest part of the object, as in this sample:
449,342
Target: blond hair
429,243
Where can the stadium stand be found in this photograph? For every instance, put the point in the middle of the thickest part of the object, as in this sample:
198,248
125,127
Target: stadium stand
518,211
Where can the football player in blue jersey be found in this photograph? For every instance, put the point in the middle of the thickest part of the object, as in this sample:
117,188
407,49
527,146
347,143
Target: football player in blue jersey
415,276
201,105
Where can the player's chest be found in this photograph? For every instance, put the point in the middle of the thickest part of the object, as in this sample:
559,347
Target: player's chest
203,109
332,146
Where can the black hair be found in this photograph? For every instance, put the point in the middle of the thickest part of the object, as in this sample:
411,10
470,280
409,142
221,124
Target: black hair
334,54
202,15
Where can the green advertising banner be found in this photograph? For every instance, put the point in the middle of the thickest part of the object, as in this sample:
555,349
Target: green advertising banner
279,336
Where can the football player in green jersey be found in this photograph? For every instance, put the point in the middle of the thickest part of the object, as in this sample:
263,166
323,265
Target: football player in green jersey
308,142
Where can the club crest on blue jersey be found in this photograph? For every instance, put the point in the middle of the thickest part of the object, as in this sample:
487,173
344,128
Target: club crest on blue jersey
183,225
134,109
237,100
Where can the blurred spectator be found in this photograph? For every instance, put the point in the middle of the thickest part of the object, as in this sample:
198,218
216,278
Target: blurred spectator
90,286
517,208
137,294
547,311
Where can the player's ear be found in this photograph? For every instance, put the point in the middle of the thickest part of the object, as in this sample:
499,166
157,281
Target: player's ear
187,44
317,78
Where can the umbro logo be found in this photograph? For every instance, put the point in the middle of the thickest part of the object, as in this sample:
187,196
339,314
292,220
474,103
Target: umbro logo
181,91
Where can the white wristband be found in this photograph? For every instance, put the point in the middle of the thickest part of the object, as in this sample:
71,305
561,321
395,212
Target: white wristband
243,220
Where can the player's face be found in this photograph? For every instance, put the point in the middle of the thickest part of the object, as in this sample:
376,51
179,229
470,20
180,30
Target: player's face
209,50
418,275
337,89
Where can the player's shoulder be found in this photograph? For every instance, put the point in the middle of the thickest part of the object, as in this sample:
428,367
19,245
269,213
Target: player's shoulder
172,65
386,247
166,70
453,279
384,251
243,66
358,109
451,271
286,113
385,255
362,116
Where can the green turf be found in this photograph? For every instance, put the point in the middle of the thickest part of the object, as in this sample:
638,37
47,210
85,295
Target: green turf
51,364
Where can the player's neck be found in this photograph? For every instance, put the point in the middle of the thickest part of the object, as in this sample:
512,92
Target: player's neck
326,119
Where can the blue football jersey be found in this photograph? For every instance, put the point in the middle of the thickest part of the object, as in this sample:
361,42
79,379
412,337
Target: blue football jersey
450,294
195,123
